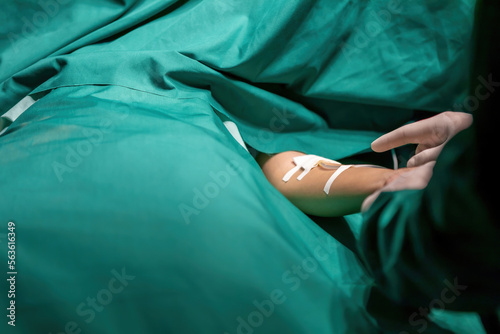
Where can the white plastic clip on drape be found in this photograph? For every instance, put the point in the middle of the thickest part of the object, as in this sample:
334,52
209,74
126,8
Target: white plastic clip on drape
308,162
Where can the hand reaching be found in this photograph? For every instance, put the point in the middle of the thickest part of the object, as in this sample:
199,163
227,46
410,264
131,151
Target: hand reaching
430,135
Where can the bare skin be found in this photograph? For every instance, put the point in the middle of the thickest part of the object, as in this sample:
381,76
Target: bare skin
346,195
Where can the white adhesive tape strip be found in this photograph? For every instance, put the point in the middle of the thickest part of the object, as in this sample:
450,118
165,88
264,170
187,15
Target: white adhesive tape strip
309,161
305,162
332,178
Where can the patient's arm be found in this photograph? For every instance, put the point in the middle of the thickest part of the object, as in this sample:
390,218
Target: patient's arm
346,194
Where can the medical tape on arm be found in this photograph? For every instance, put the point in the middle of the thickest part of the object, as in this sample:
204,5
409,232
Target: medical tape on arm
308,162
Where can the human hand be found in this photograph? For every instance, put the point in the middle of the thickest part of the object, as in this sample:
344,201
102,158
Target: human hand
430,134
413,178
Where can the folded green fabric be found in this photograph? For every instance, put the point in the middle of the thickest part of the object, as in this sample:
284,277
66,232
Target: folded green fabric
136,211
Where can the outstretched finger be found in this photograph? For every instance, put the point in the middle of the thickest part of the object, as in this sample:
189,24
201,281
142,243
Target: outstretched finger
425,156
414,133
